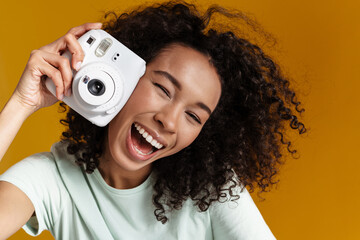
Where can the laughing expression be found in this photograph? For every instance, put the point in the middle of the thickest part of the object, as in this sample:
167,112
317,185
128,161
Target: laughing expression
166,111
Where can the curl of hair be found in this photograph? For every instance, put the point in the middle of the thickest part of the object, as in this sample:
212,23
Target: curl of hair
241,143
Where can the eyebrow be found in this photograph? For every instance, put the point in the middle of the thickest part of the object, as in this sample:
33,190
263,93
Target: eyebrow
177,84
204,107
170,77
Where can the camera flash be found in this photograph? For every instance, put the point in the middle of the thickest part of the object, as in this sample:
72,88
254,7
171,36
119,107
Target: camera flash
103,47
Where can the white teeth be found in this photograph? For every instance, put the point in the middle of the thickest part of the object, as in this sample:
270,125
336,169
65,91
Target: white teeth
148,137
154,142
141,153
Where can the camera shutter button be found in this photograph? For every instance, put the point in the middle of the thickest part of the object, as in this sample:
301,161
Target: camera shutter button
111,110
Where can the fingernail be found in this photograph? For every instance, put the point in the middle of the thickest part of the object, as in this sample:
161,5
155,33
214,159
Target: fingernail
99,24
68,92
77,66
61,97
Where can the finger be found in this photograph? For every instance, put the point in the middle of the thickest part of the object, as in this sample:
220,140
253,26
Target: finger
75,49
66,73
63,65
58,69
80,30
70,42
60,45
55,75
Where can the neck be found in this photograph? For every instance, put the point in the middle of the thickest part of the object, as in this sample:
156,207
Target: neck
120,178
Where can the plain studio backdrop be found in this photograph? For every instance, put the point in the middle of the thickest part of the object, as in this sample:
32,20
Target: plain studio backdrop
318,46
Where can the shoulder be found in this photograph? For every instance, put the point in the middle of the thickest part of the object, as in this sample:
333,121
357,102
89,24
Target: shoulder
239,218
228,204
44,163
38,176
40,163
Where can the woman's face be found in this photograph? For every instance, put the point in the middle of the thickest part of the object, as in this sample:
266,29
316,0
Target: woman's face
168,108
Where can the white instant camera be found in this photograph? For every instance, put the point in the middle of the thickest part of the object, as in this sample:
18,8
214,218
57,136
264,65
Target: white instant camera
106,79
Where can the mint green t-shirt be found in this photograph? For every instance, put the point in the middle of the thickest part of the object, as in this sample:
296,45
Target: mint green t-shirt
128,214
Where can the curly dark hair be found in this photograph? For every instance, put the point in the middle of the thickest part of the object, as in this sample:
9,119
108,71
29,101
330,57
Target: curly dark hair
242,142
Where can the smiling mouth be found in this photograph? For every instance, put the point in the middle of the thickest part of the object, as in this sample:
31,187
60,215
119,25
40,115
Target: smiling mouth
144,144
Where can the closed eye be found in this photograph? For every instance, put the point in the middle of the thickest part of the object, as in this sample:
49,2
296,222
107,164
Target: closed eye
162,89
194,116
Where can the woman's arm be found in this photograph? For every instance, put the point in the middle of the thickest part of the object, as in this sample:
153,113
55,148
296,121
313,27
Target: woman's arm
15,209
29,96
11,118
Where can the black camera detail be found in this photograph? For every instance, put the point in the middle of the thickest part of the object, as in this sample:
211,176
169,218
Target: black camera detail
90,40
96,87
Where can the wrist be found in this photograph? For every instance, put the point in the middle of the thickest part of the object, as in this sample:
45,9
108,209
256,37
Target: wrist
16,108
12,117
23,107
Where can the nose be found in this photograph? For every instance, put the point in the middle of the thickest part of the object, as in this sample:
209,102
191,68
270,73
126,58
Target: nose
168,117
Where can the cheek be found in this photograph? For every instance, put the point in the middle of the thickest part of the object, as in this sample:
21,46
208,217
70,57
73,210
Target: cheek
141,97
185,138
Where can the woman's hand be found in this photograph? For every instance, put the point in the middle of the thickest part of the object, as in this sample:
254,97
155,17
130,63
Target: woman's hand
31,91
31,94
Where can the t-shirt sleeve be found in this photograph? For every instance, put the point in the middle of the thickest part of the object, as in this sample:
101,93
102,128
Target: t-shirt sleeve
239,219
37,177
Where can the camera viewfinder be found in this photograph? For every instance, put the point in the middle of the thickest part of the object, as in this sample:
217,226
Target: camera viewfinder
90,40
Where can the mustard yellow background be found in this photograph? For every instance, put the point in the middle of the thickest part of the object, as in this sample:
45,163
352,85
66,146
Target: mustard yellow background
318,195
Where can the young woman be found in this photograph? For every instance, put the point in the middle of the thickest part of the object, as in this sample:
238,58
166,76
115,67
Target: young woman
204,122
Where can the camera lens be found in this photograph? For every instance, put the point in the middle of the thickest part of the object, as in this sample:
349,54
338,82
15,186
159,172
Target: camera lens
96,87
